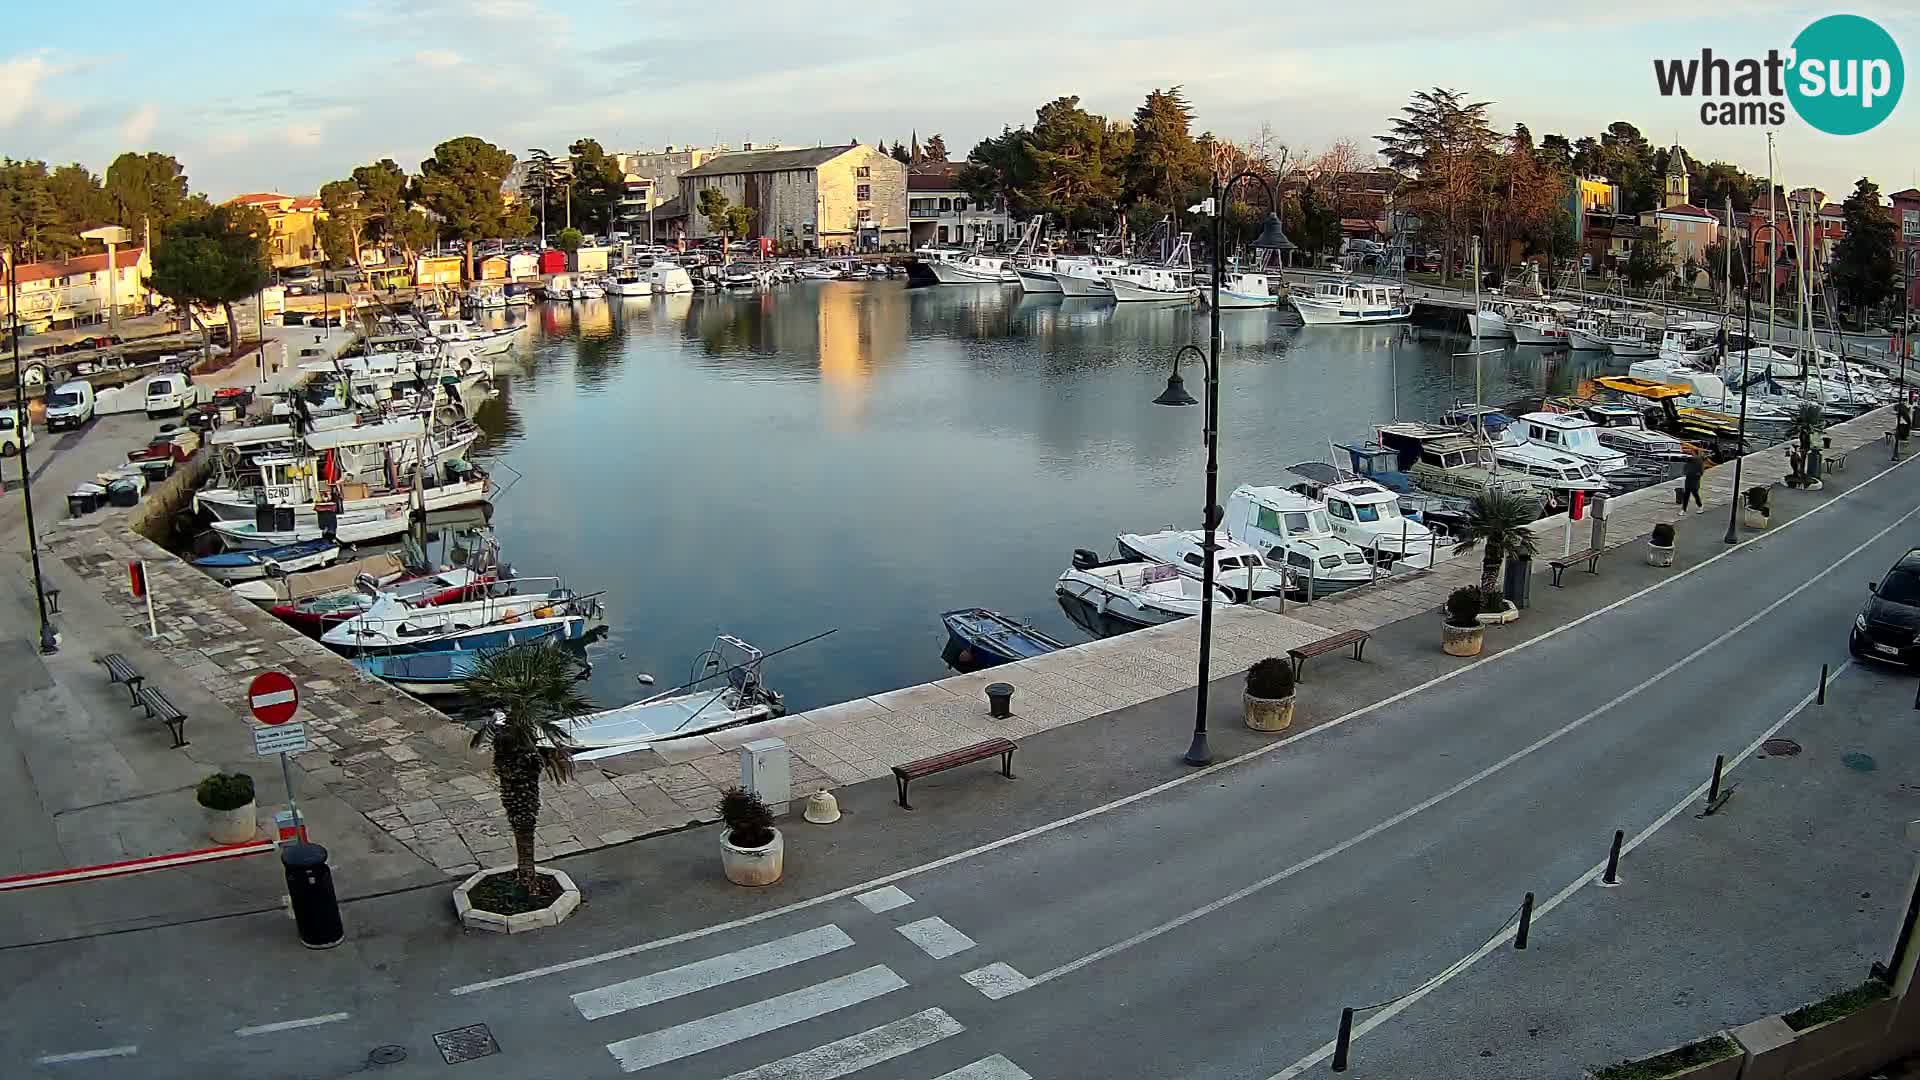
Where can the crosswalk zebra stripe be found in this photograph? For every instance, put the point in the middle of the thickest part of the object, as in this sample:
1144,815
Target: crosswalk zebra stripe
714,971
747,1021
988,1068
936,937
855,1052
884,899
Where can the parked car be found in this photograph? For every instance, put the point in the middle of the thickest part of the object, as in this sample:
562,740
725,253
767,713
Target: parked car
11,441
70,405
1885,627
173,392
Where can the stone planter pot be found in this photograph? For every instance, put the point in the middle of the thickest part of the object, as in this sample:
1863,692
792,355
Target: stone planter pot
1462,640
553,914
1499,618
753,866
235,826
1268,714
1659,556
1752,519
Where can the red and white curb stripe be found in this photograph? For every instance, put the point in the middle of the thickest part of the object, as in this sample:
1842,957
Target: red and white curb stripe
135,866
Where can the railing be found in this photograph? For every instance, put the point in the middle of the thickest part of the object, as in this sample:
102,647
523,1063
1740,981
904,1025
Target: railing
925,212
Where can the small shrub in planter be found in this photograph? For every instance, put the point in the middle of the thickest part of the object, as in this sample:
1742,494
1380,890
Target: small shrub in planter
1660,546
1836,1005
1464,606
1757,499
1462,634
1672,1063
752,851
225,791
1268,703
1663,535
749,821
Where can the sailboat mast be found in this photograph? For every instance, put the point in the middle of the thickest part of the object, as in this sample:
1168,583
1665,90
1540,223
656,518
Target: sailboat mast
1773,241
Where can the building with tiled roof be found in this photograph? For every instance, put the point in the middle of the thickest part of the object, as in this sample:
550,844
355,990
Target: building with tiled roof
64,291
294,224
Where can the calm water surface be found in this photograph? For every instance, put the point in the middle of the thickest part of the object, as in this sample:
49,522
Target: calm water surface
864,456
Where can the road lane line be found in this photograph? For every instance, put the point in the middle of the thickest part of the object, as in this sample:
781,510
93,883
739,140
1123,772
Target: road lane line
87,1055
722,1029
1124,801
886,899
996,1067
843,1057
1498,766
936,937
1459,967
711,972
289,1025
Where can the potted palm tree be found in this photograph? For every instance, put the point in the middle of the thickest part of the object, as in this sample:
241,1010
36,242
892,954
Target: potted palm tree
1497,521
227,801
1808,421
1461,634
1660,545
752,851
1269,697
534,693
1755,513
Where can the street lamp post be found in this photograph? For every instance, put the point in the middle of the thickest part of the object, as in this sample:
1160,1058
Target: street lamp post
1740,448
49,642
1271,238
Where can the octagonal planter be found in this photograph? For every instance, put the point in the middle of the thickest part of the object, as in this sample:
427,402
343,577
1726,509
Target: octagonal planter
553,914
1268,714
753,866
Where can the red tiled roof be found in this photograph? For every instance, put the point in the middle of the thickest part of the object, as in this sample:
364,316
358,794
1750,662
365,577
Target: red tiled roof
1688,210
125,258
305,202
258,197
1910,193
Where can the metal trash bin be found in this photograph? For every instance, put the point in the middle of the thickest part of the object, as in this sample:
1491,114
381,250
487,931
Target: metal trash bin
1518,582
316,912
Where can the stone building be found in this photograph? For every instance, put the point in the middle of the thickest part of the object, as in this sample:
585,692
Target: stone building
827,198
293,224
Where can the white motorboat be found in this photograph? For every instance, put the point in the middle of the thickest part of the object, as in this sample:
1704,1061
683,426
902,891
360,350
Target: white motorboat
1170,282
1690,343
486,296
232,567
519,610
1293,533
1490,320
1131,592
818,272
1087,276
742,276
380,569
1239,569
589,289
1632,342
1709,391
1624,428
1368,515
1447,461
1037,275
1546,466
461,337
1351,303
972,268
1244,290
1576,435
1540,325
357,527
1589,332
684,711
629,281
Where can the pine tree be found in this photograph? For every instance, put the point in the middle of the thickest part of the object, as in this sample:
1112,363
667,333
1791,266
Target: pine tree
1862,266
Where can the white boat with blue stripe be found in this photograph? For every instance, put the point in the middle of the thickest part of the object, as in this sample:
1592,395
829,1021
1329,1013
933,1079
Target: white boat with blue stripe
1354,303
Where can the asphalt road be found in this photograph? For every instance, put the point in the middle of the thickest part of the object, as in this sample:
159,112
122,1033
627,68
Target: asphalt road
1212,928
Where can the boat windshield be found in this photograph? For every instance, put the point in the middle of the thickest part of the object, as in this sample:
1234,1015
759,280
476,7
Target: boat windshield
1311,522
1382,511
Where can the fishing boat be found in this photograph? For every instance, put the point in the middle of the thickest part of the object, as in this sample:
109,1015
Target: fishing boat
979,637
521,610
973,268
1543,324
1351,304
314,614
1169,282
1631,342
230,567
1489,319
629,281
302,482
694,708
1037,275
381,569
1367,515
1690,342
1115,595
1239,569
1244,290
1293,532
428,674
1447,461
1086,276
278,527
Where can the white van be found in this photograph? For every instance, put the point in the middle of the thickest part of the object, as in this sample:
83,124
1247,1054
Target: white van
70,405
10,441
173,392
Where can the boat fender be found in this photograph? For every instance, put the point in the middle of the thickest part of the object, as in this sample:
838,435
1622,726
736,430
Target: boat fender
543,613
1084,559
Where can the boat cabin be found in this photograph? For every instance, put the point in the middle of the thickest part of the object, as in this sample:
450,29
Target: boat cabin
1577,435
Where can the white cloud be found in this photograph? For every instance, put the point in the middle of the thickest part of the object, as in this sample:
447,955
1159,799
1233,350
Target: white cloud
139,125
20,78
438,59
304,135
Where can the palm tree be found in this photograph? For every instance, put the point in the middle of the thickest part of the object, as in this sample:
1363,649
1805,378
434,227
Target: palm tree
1498,521
534,693
1808,420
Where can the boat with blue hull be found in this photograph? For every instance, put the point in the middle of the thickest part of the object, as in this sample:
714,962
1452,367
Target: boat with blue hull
231,567
521,611
979,637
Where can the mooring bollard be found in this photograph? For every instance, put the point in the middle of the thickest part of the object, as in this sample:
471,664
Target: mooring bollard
1526,922
1612,876
1821,698
1343,1040
1713,791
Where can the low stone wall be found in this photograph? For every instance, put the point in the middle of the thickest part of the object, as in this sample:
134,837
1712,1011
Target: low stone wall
153,517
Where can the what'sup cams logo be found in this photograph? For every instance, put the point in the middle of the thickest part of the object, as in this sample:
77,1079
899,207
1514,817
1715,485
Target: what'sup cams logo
1843,76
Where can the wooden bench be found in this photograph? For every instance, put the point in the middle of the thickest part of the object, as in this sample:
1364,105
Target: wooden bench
1584,555
159,708
120,671
1302,653
953,759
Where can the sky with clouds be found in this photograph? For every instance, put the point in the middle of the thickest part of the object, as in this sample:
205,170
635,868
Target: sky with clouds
279,98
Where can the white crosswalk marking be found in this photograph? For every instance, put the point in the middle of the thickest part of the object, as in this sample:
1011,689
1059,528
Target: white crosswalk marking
997,980
716,971
936,937
884,899
855,1052
988,1068
722,1029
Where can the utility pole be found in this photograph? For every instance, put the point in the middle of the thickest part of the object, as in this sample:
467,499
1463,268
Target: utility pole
49,642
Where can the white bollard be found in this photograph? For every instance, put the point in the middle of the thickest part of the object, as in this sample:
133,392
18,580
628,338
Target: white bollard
764,770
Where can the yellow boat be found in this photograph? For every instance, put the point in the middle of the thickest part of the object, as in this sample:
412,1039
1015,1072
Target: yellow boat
1688,420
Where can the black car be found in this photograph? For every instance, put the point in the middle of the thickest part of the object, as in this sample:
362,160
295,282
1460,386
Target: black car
1887,626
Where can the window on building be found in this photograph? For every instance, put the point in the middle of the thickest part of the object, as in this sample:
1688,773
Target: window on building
865,215
959,204
863,172
863,192
946,205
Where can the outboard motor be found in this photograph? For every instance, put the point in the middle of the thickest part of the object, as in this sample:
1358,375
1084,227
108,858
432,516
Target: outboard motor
1084,559
366,584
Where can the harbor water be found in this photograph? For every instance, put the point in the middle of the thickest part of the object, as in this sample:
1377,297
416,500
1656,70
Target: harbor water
864,456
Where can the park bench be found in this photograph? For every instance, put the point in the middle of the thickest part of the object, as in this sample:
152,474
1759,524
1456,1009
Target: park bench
1302,653
953,759
119,671
1584,555
159,708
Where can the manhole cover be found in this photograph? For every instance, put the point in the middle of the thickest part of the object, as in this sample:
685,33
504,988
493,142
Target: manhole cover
1779,748
1857,761
466,1043
387,1055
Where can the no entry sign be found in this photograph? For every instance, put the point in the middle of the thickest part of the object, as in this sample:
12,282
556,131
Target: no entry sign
272,697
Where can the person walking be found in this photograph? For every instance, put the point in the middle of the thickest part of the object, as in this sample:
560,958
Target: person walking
1695,469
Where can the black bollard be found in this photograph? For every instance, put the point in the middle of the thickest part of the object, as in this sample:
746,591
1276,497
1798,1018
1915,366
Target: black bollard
1526,922
1821,698
316,912
1343,1040
1613,859
1713,791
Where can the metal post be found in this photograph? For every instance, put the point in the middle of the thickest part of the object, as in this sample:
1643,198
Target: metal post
1343,1041
146,593
1526,922
293,804
1820,697
1198,752
1612,876
1739,458
48,644
1713,790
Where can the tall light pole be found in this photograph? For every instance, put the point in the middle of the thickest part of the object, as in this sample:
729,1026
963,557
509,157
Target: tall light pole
48,642
1274,239
541,163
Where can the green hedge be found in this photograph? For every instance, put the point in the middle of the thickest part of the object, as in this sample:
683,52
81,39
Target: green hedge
1704,1052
